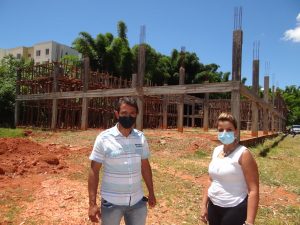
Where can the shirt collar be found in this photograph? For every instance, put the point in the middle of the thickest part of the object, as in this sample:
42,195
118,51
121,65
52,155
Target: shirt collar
116,132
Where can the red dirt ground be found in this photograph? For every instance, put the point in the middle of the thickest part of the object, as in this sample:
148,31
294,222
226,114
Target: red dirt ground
27,165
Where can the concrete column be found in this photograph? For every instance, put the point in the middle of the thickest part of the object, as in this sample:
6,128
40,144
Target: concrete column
139,118
205,111
165,111
193,114
255,89
273,123
188,115
85,100
133,80
180,106
17,103
54,101
237,55
235,109
266,111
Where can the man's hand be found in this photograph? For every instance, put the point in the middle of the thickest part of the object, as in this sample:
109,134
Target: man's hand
151,200
94,213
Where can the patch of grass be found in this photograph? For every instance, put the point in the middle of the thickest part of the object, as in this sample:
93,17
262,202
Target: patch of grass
278,215
11,214
32,221
7,132
178,198
10,204
200,154
281,166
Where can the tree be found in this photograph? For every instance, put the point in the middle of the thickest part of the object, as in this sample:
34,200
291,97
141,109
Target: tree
106,53
291,96
113,55
8,74
71,60
122,30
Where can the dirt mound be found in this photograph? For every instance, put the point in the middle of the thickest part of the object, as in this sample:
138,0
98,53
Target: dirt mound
3,148
21,156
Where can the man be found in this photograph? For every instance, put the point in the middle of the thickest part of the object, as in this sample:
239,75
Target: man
123,152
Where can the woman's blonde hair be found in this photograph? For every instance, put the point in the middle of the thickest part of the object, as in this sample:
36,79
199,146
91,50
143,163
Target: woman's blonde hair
225,116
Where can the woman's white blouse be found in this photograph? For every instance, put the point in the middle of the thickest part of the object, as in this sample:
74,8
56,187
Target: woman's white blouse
228,187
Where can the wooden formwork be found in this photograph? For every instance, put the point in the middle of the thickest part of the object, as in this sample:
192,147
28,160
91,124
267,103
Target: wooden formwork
60,96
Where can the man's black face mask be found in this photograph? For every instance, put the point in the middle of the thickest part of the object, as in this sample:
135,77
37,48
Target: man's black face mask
126,121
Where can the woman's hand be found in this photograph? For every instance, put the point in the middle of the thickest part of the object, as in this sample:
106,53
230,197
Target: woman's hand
203,214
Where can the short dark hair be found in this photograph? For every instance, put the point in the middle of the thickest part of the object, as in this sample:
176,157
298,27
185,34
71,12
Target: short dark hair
129,101
225,116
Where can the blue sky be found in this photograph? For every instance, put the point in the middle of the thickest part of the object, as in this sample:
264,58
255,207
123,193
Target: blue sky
204,27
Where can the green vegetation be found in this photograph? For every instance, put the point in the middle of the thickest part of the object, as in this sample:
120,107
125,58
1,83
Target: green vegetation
7,132
291,96
114,55
280,166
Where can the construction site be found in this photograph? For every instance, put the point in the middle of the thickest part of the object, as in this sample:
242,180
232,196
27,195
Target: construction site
61,108
60,96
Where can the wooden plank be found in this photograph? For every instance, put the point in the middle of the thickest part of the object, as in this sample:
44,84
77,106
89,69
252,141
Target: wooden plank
192,88
157,90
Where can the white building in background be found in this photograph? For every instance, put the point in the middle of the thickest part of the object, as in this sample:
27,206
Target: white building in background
49,51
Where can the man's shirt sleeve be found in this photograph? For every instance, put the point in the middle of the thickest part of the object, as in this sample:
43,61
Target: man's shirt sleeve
146,152
98,151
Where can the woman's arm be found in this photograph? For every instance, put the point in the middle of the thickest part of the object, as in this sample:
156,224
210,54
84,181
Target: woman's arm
250,171
203,214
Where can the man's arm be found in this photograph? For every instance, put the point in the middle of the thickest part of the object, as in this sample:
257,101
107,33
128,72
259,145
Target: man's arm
147,176
93,180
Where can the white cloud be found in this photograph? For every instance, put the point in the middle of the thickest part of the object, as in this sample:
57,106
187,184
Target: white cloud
298,18
293,34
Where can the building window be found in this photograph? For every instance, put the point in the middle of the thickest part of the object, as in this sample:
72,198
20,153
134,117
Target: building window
18,56
29,55
47,51
38,52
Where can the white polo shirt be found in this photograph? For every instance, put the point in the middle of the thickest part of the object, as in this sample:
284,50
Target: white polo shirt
121,158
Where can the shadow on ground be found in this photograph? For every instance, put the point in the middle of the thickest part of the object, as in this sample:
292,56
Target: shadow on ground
264,152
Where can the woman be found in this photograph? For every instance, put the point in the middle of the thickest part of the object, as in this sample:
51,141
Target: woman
232,195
